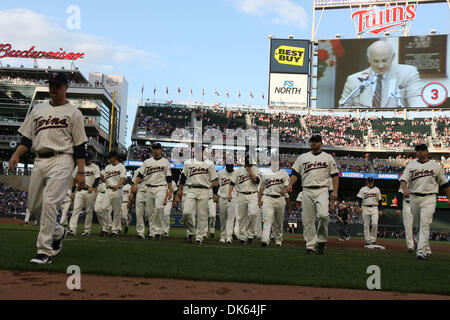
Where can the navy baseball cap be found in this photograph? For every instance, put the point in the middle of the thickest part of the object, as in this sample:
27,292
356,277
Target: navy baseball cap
113,153
156,146
422,147
315,138
370,179
57,78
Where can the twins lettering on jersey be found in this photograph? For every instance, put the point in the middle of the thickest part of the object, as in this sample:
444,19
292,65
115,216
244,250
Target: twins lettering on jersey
111,174
370,195
151,170
195,171
50,123
242,179
273,182
89,173
416,174
308,166
225,181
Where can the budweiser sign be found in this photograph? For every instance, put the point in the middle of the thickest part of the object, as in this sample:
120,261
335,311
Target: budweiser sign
6,51
375,22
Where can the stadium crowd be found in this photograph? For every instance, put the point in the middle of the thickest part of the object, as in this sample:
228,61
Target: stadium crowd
12,201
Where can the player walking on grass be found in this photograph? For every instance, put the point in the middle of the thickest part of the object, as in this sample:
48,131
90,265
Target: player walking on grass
227,209
315,169
272,200
104,213
201,175
420,183
54,131
212,208
115,176
158,179
126,192
140,202
246,181
85,197
167,210
369,199
408,220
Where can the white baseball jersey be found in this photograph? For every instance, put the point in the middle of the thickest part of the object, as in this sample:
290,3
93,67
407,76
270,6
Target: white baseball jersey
92,172
425,177
113,174
174,188
274,182
141,186
101,184
224,184
242,180
315,170
54,129
370,196
199,173
155,172
126,190
300,197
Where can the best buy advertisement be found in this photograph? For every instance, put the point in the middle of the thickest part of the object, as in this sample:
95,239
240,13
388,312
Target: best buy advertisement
289,56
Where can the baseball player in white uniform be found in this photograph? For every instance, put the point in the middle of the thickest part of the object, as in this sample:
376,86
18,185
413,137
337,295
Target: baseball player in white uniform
85,197
140,202
200,176
55,132
272,199
420,183
182,200
167,210
115,175
27,219
212,208
126,192
408,219
158,179
246,181
103,213
315,169
227,209
369,199
67,202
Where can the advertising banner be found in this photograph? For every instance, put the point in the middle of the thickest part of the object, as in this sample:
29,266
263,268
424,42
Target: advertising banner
289,56
290,90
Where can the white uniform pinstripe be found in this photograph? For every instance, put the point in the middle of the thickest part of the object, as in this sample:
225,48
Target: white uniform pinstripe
104,213
113,174
51,129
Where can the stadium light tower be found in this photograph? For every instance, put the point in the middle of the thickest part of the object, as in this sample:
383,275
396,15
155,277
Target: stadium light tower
338,35
271,36
432,31
291,36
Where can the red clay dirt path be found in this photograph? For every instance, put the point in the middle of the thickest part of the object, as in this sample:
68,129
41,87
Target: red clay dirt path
15,285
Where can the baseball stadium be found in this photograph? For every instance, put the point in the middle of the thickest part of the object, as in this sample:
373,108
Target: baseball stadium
336,187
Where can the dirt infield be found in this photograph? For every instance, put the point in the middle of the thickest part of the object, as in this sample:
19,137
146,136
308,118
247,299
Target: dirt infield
51,286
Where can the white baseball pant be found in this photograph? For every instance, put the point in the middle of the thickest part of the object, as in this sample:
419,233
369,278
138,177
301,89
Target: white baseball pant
167,210
273,215
114,199
196,204
370,217
27,216
155,203
258,223
64,211
49,182
83,199
141,211
103,213
212,206
424,208
315,205
247,210
227,215
124,218
408,222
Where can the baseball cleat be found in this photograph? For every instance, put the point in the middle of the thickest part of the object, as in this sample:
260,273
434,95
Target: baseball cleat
422,257
348,238
229,242
24,224
71,233
278,244
410,250
211,236
242,242
321,247
140,237
86,234
190,238
222,240
41,259
198,243
250,240
157,237
166,234
264,244
103,234
125,230
234,237
309,251
57,244
204,238
114,235
341,239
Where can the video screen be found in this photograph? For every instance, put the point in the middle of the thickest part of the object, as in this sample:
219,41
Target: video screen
389,72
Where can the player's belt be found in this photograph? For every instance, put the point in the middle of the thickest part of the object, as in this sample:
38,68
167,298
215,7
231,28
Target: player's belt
199,187
269,195
371,206
248,192
102,191
86,188
422,194
112,188
315,187
152,186
49,155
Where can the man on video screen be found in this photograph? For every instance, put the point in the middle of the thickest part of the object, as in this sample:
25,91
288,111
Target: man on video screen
383,84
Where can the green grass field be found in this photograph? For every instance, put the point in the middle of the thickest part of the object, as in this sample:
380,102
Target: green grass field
213,261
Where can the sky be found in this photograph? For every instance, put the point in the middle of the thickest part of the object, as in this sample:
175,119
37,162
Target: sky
200,44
